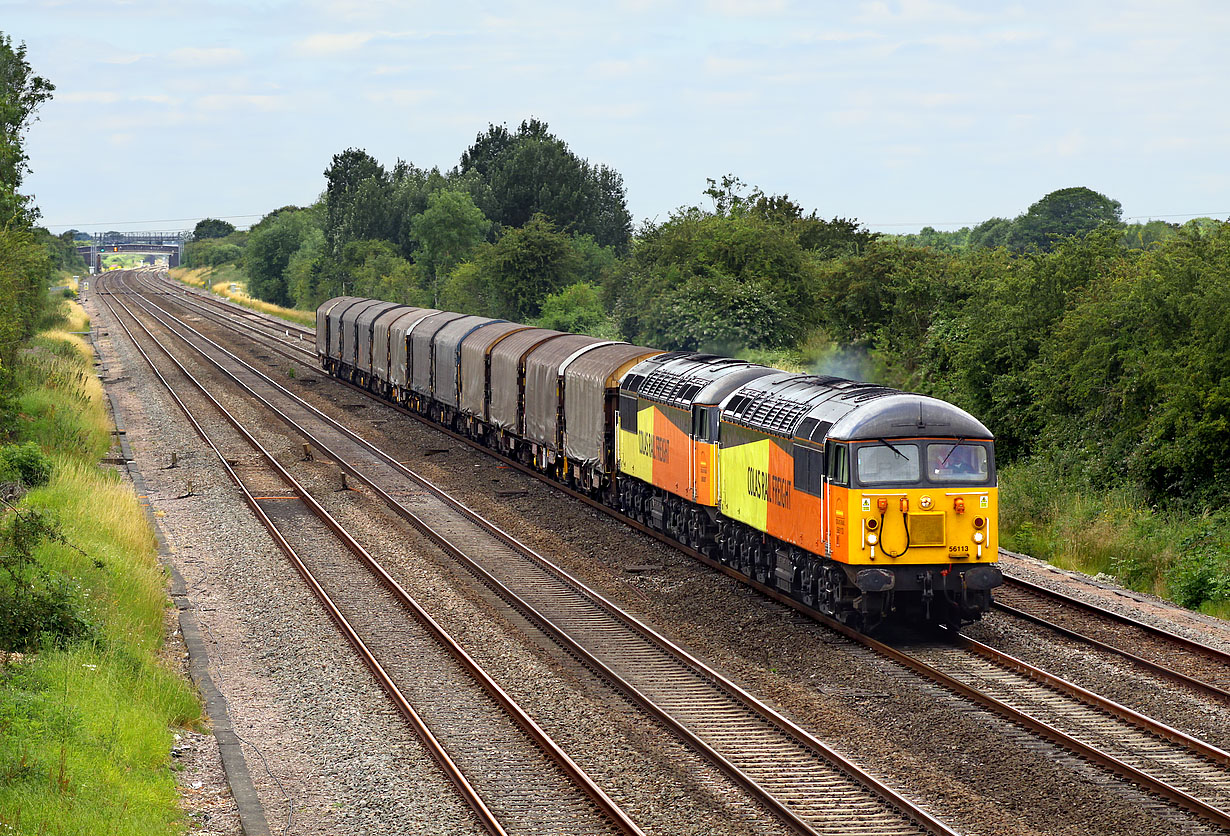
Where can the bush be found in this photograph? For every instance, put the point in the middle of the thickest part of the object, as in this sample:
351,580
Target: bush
37,607
1202,572
27,462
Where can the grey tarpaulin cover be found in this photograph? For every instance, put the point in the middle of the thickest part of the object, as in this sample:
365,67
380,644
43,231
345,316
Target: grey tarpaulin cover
506,374
448,356
420,350
336,318
350,329
322,322
542,395
364,323
380,339
397,343
474,364
587,414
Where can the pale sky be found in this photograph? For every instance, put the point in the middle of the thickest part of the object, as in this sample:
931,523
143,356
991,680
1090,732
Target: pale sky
900,113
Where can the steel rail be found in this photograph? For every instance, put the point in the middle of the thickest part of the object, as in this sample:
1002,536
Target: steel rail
535,732
1142,779
434,747
910,810
1149,782
1157,668
221,308
162,277
1207,652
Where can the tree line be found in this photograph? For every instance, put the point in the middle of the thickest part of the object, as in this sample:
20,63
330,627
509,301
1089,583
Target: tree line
30,256
1070,332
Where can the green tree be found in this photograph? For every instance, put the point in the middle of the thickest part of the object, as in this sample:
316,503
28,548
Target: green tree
993,232
302,275
467,288
24,272
448,230
347,217
888,298
1135,373
698,264
21,93
578,309
840,236
210,252
526,265
1063,213
375,269
271,244
534,172
61,251
211,228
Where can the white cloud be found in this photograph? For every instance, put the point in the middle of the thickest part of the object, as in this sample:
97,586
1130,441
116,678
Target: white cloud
328,43
1069,145
206,57
917,11
615,112
731,66
401,98
746,8
620,68
223,101
120,57
88,97
156,98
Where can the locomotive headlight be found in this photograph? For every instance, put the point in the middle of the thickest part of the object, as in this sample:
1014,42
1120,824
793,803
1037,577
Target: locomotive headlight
872,539
925,503
978,537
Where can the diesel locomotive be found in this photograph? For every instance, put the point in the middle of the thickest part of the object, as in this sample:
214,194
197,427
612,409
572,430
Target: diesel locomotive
859,501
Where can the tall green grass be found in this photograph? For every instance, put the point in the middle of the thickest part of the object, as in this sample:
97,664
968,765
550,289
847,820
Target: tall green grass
1114,531
86,730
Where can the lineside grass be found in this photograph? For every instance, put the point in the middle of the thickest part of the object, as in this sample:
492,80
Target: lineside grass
86,728
220,279
1114,532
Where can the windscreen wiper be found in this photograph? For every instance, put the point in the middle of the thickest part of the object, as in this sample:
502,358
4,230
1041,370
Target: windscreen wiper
960,441
894,449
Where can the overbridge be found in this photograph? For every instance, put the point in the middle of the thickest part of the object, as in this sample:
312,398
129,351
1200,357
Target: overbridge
170,244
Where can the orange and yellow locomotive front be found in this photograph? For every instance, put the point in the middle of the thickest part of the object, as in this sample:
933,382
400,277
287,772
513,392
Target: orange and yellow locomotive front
867,503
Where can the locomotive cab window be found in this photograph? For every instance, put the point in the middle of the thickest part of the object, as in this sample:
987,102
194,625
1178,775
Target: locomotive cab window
949,462
705,423
839,463
884,463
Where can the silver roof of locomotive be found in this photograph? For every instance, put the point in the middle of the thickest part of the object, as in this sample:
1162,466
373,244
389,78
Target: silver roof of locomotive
907,416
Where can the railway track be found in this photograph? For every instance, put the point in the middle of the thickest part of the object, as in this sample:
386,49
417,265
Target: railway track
515,778
1198,666
1186,771
802,781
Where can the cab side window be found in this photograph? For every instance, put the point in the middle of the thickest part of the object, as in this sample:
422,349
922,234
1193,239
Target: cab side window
838,456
